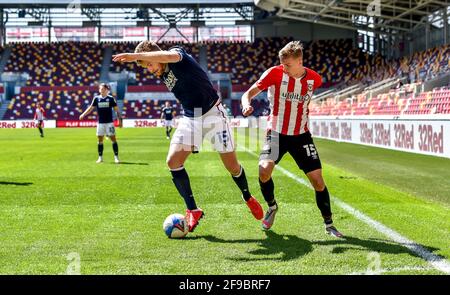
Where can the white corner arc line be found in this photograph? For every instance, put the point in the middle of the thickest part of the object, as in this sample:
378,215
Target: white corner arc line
434,260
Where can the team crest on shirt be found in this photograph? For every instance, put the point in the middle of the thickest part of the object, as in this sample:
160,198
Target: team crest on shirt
308,95
310,85
170,80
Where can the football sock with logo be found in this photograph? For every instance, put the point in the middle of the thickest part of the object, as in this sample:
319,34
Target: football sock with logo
181,180
41,131
323,202
100,149
241,181
115,148
267,190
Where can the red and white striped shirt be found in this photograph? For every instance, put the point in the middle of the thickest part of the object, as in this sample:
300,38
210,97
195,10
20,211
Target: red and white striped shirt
39,114
289,99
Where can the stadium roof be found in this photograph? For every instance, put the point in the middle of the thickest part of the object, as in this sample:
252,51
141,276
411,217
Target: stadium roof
126,12
394,16
117,3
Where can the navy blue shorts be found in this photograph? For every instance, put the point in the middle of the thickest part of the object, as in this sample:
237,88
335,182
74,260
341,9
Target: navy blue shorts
301,147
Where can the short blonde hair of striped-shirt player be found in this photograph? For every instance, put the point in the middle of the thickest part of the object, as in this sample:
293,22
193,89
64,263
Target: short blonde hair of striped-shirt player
292,49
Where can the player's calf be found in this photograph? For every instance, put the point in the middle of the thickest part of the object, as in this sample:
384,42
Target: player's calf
241,181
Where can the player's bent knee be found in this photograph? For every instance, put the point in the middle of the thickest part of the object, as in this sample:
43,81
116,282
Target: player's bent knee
318,184
265,171
234,169
173,163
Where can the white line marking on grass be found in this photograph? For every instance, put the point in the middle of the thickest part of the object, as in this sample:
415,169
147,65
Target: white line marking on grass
436,261
395,269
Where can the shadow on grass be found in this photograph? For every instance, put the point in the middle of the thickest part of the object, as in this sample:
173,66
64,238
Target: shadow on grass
15,183
288,246
292,247
131,163
373,245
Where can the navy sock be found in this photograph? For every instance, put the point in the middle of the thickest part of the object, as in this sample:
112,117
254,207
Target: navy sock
241,181
100,149
181,180
115,148
267,190
323,202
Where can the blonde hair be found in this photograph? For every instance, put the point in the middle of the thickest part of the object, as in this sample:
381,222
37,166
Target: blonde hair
146,46
292,49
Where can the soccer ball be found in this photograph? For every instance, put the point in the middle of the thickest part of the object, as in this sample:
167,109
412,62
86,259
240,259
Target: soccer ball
175,226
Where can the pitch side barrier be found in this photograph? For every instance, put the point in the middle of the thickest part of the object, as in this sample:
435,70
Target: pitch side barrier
19,124
428,135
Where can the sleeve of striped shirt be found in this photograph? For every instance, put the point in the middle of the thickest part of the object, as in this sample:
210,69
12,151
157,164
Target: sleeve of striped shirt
266,80
317,80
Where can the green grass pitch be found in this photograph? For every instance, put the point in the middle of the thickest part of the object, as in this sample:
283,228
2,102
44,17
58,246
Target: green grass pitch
56,203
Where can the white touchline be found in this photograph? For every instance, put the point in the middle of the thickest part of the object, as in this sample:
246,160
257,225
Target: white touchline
437,262
395,269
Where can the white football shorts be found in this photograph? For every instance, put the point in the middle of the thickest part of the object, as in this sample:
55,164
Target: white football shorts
213,126
106,129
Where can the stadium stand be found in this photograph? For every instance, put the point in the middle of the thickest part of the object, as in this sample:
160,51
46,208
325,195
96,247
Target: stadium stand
395,102
57,70
59,63
58,104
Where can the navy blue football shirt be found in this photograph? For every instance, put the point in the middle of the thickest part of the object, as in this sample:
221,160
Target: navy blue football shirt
190,84
105,106
168,113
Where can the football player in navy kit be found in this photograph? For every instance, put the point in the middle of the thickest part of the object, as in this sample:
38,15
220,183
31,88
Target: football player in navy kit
105,105
203,116
167,116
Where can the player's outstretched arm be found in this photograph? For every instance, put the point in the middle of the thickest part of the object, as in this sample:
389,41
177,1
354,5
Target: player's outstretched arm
86,112
247,97
154,56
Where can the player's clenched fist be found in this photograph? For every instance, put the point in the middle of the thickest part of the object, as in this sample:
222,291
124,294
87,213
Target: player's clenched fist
247,110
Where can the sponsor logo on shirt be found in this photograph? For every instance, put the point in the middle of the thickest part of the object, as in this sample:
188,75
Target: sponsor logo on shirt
103,104
292,96
170,80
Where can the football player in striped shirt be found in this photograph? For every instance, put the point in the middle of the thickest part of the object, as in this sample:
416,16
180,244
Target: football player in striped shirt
39,116
290,88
